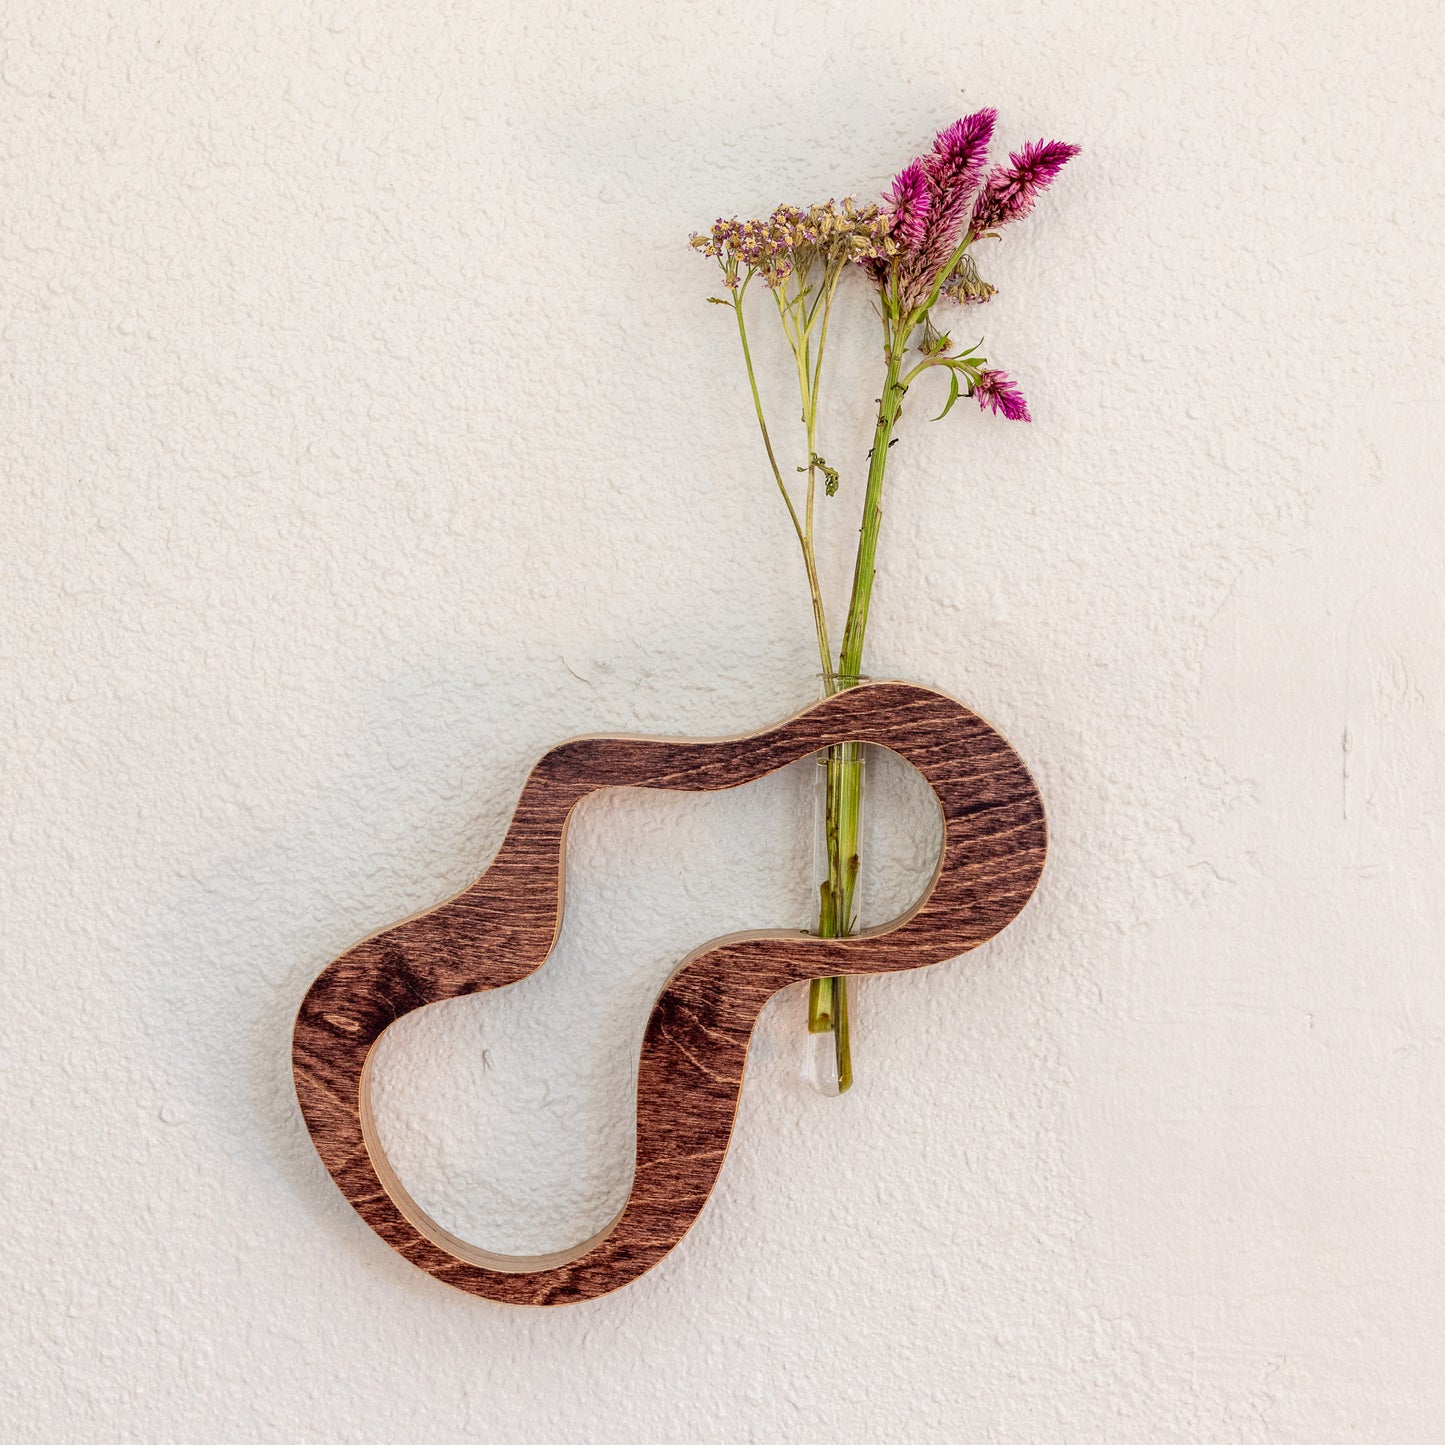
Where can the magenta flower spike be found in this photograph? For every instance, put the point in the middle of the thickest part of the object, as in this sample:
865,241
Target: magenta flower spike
908,204
997,392
951,172
1009,192
953,168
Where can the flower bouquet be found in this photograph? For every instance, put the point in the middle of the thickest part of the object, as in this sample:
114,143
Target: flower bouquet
913,254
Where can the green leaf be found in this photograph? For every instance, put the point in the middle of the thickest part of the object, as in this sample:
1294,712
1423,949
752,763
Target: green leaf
952,393
717,301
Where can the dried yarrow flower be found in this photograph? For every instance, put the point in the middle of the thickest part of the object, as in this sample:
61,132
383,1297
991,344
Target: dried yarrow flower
965,285
792,239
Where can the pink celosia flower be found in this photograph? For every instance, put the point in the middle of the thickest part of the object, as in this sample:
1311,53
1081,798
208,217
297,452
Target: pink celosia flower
1010,191
908,204
996,391
953,169
950,172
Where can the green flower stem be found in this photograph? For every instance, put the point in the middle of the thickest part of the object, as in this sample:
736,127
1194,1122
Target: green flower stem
850,656
805,538
810,379
837,907
828,997
919,312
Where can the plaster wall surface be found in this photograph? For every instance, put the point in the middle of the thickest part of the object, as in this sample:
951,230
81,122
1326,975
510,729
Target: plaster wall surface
366,432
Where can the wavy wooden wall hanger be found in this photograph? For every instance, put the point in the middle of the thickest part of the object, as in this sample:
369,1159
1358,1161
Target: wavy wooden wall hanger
690,1072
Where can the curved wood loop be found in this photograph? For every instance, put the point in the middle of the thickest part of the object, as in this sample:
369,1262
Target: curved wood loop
690,1071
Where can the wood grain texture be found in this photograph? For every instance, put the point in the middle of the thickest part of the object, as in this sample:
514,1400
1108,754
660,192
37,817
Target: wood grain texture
690,1071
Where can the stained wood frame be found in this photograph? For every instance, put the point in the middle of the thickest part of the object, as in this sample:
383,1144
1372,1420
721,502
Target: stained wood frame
690,1072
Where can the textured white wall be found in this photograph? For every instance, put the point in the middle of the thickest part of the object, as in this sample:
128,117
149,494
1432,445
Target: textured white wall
366,432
